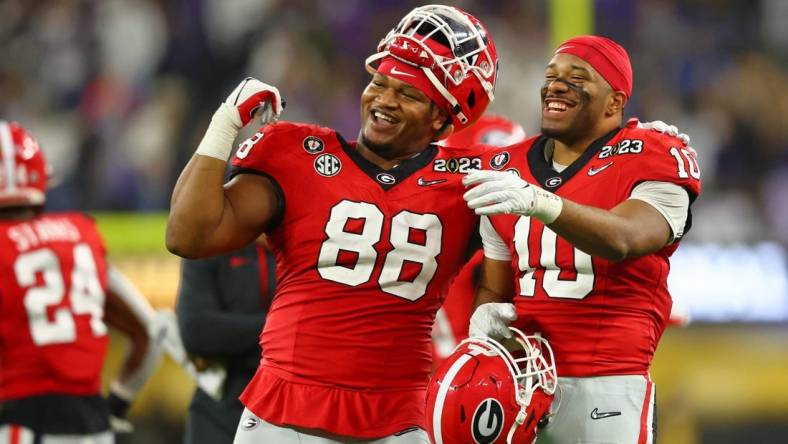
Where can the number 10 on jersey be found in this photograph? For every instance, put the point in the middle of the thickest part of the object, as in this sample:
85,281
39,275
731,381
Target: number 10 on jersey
577,287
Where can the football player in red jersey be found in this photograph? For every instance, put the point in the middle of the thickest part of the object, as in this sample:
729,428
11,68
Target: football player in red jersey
57,295
367,233
578,229
451,321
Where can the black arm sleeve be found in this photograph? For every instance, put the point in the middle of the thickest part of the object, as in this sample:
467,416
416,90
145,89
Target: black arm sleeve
206,328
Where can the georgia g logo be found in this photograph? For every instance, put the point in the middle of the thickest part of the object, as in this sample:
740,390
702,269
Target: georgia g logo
487,421
553,182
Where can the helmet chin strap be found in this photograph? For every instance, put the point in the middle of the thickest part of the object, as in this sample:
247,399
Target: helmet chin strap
518,421
374,58
488,87
456,109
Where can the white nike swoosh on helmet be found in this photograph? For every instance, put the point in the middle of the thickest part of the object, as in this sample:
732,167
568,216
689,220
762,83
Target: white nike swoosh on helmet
395,71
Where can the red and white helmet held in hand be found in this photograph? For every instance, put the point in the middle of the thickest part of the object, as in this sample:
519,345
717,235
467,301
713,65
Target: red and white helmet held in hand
447,54
486,394
23,168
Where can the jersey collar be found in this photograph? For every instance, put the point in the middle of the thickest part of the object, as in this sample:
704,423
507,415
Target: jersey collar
388,179
540,161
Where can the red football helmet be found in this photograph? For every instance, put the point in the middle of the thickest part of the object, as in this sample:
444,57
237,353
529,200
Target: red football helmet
490,129
23,169
446,53
486,394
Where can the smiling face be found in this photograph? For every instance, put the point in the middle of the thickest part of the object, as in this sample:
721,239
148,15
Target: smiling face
577,101
397,119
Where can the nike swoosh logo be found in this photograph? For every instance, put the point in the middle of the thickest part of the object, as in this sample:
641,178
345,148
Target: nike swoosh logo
425,183
593,171
394,70
596,414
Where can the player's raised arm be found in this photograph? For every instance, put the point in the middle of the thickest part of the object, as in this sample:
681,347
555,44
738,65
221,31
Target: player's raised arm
208,217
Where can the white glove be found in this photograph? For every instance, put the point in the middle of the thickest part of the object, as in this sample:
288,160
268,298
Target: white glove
164,328
118,403
499,192
236,112
492,319
120,425
662,127
249,96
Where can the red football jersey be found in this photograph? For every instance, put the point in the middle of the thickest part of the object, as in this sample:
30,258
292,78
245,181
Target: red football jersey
364,257
601,317
53,280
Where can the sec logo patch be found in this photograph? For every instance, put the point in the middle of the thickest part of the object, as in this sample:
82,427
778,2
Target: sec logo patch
327,165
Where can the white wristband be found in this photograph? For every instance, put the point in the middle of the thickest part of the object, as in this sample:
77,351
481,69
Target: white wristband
547,206
221,133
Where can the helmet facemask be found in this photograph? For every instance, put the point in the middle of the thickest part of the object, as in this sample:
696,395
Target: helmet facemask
531,365
454,52
493,392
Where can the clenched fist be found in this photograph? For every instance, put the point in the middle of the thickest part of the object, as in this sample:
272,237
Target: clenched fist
252,95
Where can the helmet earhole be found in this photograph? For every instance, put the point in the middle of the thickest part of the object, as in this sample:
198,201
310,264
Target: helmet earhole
471,100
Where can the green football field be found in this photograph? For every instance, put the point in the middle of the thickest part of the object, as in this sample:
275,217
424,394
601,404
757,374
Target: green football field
133,233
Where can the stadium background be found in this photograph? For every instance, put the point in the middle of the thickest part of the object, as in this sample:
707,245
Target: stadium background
119,92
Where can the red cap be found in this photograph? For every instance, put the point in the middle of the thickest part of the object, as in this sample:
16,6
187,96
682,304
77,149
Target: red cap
607,57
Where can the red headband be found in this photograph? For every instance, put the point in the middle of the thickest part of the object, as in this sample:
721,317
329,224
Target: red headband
607,57
414,76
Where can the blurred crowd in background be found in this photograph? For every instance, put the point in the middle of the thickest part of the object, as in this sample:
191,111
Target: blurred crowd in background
119,92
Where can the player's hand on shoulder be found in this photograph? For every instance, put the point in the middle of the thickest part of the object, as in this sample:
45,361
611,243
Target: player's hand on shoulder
254,98
492,319
662,127
501,192
498,192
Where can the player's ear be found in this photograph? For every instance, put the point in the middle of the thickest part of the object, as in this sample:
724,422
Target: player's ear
615,103
445,131
441,123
